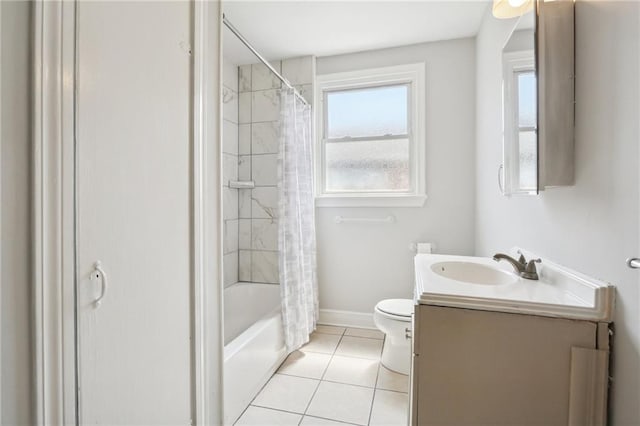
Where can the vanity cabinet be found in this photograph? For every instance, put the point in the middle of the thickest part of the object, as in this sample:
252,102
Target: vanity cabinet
474,367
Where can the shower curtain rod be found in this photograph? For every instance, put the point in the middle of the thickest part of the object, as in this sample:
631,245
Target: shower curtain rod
244,41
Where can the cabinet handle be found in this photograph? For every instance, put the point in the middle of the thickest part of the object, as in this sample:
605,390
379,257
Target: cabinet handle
633,263
103,281
407,333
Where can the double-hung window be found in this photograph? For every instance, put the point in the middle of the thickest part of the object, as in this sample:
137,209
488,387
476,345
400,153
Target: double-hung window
370,147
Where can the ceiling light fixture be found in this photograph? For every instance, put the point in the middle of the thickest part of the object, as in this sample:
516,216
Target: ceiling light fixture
505,9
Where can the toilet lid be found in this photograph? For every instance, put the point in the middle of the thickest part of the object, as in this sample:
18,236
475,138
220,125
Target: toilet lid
398,307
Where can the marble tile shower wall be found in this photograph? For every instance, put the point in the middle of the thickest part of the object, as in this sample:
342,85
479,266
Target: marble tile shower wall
230,171
258,140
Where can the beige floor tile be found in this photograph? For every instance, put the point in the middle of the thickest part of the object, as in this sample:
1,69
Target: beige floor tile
286,393
258,416
353,371
322,343
305,364
360,347
330,329
337,401
390,380
364,332
317,421
390,409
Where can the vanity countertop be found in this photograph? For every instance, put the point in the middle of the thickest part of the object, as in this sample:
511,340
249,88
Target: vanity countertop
560,292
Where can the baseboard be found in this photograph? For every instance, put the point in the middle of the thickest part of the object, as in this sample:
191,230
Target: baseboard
346,318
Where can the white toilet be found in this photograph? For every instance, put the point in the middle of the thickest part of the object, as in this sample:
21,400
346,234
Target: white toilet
393,318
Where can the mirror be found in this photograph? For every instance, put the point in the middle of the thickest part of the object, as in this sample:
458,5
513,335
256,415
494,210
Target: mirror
520,108
538,98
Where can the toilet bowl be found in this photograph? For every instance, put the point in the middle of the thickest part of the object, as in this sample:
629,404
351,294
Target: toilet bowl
393,318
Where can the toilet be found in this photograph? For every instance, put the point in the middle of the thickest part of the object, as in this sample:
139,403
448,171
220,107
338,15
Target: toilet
393,318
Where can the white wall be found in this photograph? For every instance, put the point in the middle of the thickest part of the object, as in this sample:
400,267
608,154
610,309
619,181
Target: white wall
593,226
358,264
15,141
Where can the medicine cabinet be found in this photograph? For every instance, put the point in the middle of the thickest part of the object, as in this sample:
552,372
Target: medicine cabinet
538,62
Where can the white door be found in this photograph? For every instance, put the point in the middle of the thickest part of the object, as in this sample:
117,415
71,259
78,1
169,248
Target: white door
133,212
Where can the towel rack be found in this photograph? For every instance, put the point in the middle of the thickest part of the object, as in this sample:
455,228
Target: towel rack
388,219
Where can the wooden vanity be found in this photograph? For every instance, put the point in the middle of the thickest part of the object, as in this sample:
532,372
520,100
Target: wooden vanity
474,367
479,360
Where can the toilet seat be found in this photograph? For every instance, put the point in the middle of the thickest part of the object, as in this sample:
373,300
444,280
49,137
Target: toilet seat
396,309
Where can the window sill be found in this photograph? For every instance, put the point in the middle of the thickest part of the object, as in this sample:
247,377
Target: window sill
371,201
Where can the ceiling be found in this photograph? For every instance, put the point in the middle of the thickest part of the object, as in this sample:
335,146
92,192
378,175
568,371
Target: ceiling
285,29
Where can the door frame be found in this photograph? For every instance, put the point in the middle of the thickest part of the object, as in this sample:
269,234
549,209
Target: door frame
0,214
54,213
207,315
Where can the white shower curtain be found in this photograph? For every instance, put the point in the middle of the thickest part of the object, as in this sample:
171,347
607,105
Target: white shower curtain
296,223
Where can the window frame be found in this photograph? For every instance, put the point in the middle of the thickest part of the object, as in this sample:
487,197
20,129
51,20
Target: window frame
411,75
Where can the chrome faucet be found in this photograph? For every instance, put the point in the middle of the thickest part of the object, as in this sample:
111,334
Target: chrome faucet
526,270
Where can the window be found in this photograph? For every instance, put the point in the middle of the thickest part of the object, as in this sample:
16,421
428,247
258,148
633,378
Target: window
370,148
520,123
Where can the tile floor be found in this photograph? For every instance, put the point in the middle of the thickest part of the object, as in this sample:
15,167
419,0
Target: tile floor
335,379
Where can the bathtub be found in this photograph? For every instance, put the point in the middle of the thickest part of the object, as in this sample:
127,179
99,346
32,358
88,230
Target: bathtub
253,343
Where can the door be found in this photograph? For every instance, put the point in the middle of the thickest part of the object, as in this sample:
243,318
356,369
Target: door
133,146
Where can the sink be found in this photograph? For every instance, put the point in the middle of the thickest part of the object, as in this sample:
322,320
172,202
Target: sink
474,273
471,282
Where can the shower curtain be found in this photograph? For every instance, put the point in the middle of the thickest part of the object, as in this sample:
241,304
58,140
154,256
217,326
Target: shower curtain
296,224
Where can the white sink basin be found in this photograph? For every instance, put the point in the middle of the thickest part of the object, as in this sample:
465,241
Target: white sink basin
482,283
473,273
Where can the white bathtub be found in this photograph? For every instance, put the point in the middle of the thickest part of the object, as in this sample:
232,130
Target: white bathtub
253,343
